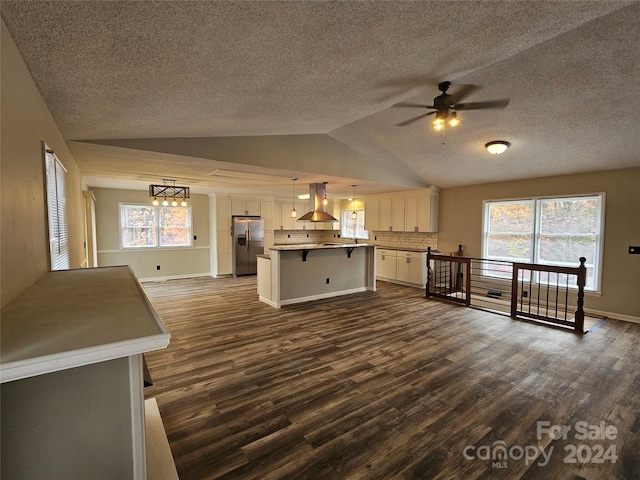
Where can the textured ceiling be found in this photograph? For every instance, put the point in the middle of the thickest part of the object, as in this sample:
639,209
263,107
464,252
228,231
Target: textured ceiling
166,72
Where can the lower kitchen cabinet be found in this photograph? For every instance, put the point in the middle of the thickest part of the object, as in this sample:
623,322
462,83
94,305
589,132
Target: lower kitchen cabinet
402,266
410,267
386,264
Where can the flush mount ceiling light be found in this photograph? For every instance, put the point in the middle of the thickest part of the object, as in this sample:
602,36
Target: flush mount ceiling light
497,147
169,191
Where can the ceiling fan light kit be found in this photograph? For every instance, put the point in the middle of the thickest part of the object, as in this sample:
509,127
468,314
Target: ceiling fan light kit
445,106
497,147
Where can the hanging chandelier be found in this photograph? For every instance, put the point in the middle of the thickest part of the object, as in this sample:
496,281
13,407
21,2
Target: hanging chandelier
169,191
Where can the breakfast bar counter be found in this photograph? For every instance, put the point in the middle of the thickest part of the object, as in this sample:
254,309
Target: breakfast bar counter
301,273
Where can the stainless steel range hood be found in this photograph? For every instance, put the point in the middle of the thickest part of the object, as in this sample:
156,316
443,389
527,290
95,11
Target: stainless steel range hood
317,211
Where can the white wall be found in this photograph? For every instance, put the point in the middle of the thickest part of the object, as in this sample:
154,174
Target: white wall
26,122
174,262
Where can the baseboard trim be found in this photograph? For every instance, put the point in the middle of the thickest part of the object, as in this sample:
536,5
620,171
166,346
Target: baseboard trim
321,296
173,277
613,316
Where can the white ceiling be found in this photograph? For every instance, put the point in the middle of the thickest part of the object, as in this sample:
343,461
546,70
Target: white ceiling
240,97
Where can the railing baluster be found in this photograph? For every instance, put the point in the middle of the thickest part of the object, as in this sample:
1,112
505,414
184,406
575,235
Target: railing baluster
581,281
484,275
546,306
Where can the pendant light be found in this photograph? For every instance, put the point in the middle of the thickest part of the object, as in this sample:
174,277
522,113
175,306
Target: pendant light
294,212
354,214
325,200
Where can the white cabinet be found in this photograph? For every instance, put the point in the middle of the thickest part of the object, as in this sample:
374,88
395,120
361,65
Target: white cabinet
268,240
397,215
223,252
410,267
222,246
372,215
277,216
386,264
223,213
240,206
385,214
421,213
414,212
266,212
402,266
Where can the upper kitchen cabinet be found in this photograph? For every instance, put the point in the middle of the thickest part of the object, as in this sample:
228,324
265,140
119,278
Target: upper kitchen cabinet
414,211
222,211
384,212
372,214
421,213
241,206
266,212
398,215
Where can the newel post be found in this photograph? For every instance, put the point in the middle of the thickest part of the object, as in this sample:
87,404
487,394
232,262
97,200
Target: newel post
582,281
428,287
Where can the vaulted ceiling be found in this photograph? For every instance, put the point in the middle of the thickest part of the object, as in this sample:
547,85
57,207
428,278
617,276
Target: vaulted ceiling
242,96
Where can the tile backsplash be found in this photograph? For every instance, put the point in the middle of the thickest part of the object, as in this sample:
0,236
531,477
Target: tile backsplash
418,241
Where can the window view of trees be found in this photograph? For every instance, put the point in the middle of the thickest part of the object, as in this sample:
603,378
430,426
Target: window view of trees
175,226
353,227
510,231
553,231
139,226
145,226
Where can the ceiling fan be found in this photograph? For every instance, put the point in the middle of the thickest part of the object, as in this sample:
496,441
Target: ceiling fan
445,106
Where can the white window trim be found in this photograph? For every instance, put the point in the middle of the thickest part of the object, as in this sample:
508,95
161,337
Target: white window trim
351,234
598,261
158,245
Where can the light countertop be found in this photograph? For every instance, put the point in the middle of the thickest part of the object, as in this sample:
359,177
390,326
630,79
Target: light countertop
320,246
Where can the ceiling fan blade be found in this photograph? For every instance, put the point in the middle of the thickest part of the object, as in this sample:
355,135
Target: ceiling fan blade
482,105
412,105
462,92
414,119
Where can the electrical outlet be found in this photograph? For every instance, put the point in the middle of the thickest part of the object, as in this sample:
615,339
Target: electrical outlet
327,281
157,267
195,237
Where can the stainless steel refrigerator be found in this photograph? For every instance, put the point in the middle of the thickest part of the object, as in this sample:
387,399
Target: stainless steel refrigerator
248,241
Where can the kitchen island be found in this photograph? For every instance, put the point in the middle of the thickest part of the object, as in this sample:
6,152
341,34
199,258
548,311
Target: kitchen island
300,273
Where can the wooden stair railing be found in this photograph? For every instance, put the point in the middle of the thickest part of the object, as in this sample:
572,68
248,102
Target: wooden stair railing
537,292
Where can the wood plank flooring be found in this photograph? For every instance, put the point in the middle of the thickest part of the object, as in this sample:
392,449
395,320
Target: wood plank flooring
385,385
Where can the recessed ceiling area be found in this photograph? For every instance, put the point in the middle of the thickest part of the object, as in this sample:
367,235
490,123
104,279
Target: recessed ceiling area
275,90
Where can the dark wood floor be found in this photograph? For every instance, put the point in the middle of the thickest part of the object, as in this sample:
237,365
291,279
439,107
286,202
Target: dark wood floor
385,385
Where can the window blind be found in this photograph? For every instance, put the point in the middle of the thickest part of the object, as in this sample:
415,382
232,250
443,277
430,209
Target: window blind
57,212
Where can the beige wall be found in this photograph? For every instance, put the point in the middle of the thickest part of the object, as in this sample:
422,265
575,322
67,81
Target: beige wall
461,222
173,262
26,122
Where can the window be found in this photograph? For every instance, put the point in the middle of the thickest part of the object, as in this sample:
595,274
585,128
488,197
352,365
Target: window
353,227
548,231
56,211
147,226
